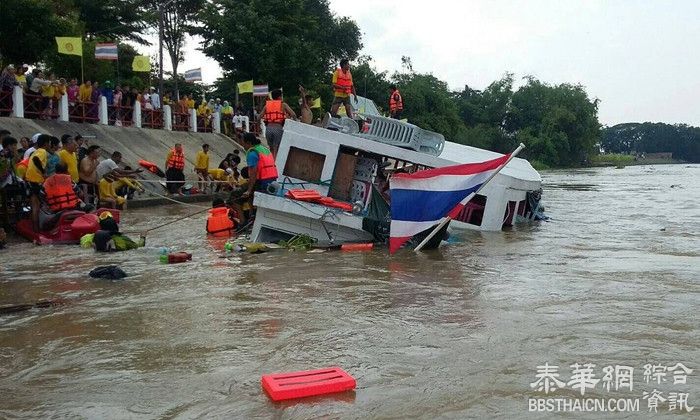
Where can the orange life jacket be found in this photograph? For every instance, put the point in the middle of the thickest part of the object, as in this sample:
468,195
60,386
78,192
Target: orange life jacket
177,160
344,81
395,104
273,112
219,223
266,168
152,167
59,193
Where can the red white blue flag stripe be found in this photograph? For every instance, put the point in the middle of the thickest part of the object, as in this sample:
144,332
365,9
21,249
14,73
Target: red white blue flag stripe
260,90
420,200
193,75
106,51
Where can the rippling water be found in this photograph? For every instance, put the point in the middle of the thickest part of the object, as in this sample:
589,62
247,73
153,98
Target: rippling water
612,278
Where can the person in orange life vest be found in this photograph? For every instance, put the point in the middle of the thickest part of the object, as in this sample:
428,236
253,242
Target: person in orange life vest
274,113
174,169
223,222
342,88
395,103
60,192
261,165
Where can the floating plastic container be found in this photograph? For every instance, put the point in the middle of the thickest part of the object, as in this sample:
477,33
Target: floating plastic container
307,383
357,247
176,257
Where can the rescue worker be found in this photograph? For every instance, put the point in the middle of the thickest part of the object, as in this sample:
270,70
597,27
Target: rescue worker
174,169
342,88
305,102
261,165
274,113
395,103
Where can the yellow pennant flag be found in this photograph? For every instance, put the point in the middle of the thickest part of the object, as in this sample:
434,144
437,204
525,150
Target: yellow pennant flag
69,45
316,103
245,87
141,63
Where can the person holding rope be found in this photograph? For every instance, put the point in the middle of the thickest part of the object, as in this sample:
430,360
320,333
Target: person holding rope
174,169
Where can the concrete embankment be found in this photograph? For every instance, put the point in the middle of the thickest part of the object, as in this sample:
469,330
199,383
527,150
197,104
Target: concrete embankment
133,143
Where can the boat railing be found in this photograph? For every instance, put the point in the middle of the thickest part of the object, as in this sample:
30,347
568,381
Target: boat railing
401,134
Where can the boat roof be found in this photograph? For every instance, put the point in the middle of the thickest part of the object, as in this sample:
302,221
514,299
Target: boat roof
453,153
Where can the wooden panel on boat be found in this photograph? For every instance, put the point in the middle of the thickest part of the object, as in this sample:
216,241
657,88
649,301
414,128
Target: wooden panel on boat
304,164
343,177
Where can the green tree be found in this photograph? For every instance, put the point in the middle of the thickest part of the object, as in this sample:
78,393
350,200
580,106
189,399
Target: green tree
279,42
28,29
179,17
428,103
112,19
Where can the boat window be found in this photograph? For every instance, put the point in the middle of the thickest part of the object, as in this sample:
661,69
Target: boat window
473,212
509,215
304,165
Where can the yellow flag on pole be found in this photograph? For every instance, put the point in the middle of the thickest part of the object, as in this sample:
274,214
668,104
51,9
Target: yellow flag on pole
141,63
245,87
69,45
316,103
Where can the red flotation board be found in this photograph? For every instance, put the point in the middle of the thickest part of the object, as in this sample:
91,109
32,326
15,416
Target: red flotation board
314,196
152,168
70,227
306,383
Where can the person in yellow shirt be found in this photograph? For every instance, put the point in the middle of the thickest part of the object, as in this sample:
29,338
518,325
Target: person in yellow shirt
85,91
108,195
190,102
201,167
35,176
68,156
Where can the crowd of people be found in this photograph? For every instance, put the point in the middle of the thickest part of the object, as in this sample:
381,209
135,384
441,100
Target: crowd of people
66,173
61,174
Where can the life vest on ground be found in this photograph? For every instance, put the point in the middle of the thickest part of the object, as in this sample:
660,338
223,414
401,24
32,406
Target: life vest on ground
150,166
395,102
177,160
344,81
273,112
266,168
219,223
59,193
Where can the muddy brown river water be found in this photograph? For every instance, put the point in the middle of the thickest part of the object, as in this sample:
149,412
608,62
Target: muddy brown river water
612,279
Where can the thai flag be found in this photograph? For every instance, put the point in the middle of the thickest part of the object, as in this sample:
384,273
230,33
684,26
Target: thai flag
106,51
260,90
420,200
193,75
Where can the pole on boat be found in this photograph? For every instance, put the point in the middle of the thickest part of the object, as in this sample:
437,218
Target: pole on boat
446,219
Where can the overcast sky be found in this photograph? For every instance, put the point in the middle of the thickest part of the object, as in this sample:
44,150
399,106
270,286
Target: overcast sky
639,57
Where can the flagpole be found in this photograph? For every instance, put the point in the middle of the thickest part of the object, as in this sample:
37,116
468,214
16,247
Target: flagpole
82,71
446,219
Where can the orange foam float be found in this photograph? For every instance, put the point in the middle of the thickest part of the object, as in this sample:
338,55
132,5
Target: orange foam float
307,383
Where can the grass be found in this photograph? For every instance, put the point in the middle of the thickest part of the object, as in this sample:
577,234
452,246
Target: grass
614,159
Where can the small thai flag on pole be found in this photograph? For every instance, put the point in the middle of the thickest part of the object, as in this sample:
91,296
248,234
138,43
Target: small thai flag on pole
260,90
432,197
106,51
194,75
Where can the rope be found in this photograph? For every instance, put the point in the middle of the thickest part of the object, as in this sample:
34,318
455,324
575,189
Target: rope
179,219
199,206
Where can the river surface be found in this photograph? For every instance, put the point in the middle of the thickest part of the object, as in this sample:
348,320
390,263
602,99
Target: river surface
612,279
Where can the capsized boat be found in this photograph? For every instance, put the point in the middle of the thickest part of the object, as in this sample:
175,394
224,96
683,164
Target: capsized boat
66,228
350,162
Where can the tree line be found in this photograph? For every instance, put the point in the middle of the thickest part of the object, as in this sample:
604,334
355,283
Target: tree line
636,138
286,43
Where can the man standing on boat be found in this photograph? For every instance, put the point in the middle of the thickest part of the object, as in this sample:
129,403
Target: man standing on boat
395,103
274,113
342,88
261,165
